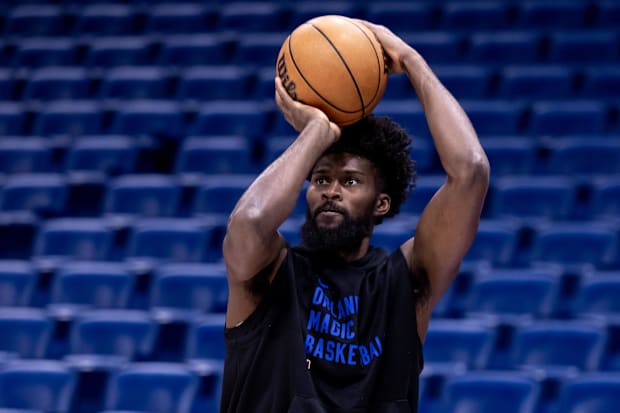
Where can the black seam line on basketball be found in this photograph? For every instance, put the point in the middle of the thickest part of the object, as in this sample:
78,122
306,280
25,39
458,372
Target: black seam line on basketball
344,62
380,70
290,52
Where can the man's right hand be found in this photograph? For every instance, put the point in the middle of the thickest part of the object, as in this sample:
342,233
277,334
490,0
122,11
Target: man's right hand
298,114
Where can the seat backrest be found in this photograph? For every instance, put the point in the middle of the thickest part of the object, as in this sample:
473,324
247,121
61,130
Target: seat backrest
26,332
593,392
152,387
127,333
96,284
491,392
469,342
17,283
41,385
199,287
544,343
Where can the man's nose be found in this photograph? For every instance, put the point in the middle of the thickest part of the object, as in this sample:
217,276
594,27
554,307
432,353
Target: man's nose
333,191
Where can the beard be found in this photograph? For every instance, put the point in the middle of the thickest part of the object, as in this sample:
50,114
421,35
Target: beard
346,236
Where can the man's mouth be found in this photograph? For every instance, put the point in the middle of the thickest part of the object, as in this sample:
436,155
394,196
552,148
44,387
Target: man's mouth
329,210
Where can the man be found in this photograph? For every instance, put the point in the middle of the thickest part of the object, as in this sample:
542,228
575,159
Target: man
337,325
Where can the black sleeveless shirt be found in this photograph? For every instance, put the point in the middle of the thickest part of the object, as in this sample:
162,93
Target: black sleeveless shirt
328,337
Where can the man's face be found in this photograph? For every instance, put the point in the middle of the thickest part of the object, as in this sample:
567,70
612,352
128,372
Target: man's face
341,200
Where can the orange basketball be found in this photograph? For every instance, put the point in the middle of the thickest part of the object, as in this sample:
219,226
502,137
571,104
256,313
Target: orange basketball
335,64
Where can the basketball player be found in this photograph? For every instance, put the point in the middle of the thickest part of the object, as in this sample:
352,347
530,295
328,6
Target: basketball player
337,325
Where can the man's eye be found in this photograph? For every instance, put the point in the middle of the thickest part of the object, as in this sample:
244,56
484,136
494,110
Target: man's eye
351,181
321,180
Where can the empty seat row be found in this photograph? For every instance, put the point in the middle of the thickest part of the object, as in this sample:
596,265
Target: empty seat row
202,83
110,155
114,19
259,119
56,386
109,337
105,337
557,197
186,288
256,50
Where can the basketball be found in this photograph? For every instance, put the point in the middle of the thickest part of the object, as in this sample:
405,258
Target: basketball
336,64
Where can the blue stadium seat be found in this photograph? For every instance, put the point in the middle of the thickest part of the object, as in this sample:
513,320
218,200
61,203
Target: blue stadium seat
215,155
92,284
70,118
466,341
129,82
465,81
591,392
425,188
543,344
568,118
173,18
608,13
583,47
401,16
112,155
407,113
170,239
7,85
495,242
118,51
46,51
25,332
531,292
201,288
605,200
159,118
252,16
35,20
153,387
44,194
542,198
12,119
490,392
202,83
196,49
275,146
219,194
19,156
290,230
511,155
477,15
17,283
143,195
598,294
305,10
575,243
506,47
258,49
206,338
437,46
601,82
584,156
495,117
106,20
76,238
390,235
130,334
559,14
230,117
58,83
537,82
42,385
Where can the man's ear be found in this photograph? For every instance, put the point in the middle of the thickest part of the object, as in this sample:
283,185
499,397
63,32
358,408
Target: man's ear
382,205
